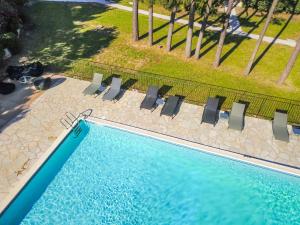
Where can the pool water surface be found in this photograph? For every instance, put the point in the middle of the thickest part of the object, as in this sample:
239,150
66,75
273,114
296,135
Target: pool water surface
112,176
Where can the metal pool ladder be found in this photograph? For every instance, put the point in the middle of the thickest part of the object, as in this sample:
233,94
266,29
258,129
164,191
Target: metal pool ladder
70,119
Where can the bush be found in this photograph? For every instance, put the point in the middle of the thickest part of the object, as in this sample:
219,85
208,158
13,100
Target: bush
19,2
10,41
287,6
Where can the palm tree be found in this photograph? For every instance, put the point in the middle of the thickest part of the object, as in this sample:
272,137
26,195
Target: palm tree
290,64
173,6
261,36
223,33
203,27
189,36
135,20
150,30
171,26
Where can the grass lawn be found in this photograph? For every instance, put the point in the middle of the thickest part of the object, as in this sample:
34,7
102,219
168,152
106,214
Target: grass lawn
283,25
77,32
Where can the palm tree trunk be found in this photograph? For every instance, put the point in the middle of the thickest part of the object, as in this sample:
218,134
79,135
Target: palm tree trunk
203,27
223,34
150,24
135,20
189,36
171,27
261,36
290,64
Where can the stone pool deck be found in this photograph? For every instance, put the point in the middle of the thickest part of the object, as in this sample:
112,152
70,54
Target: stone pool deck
25,139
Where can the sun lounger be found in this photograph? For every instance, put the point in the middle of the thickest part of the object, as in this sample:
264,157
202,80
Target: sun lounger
95,85
237,116
210,113
279,126
150,98
114,90
170,107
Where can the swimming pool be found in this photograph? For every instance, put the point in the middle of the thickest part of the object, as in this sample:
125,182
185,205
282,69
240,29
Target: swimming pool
111,176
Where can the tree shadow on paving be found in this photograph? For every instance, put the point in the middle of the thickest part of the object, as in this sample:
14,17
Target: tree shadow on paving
15,106
276,21
61,36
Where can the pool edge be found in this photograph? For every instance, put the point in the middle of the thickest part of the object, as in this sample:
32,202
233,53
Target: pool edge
200,147
32,171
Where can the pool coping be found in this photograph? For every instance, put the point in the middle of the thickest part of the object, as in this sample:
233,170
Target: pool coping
139,131
13,193
201,147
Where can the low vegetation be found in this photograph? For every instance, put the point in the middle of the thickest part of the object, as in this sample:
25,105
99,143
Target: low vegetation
11,19
67,34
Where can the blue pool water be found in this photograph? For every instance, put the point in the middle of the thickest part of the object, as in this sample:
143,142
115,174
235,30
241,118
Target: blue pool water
109,176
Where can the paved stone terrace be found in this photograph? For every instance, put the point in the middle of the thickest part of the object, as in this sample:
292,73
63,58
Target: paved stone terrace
24,140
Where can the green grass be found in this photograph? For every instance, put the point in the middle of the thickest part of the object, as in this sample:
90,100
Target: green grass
67,35
285,26
282,25
67,32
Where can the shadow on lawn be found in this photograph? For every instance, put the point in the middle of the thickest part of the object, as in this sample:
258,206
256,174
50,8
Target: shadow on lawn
61,35
145,35
278,22
239,39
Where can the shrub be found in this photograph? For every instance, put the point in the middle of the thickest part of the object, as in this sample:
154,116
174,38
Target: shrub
10,41
19,2
287,6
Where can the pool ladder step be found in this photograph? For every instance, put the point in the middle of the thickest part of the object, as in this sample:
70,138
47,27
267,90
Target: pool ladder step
77,130
70,119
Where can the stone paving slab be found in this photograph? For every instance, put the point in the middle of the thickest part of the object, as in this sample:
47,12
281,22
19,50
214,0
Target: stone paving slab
24,140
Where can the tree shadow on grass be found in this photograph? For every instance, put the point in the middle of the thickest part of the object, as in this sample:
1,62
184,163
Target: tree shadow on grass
211,36
248,16
174,32
239,39
159,28
180,28
61,35
216,20
276,21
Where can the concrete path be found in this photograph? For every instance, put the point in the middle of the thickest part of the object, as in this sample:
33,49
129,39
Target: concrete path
234,23
234,28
